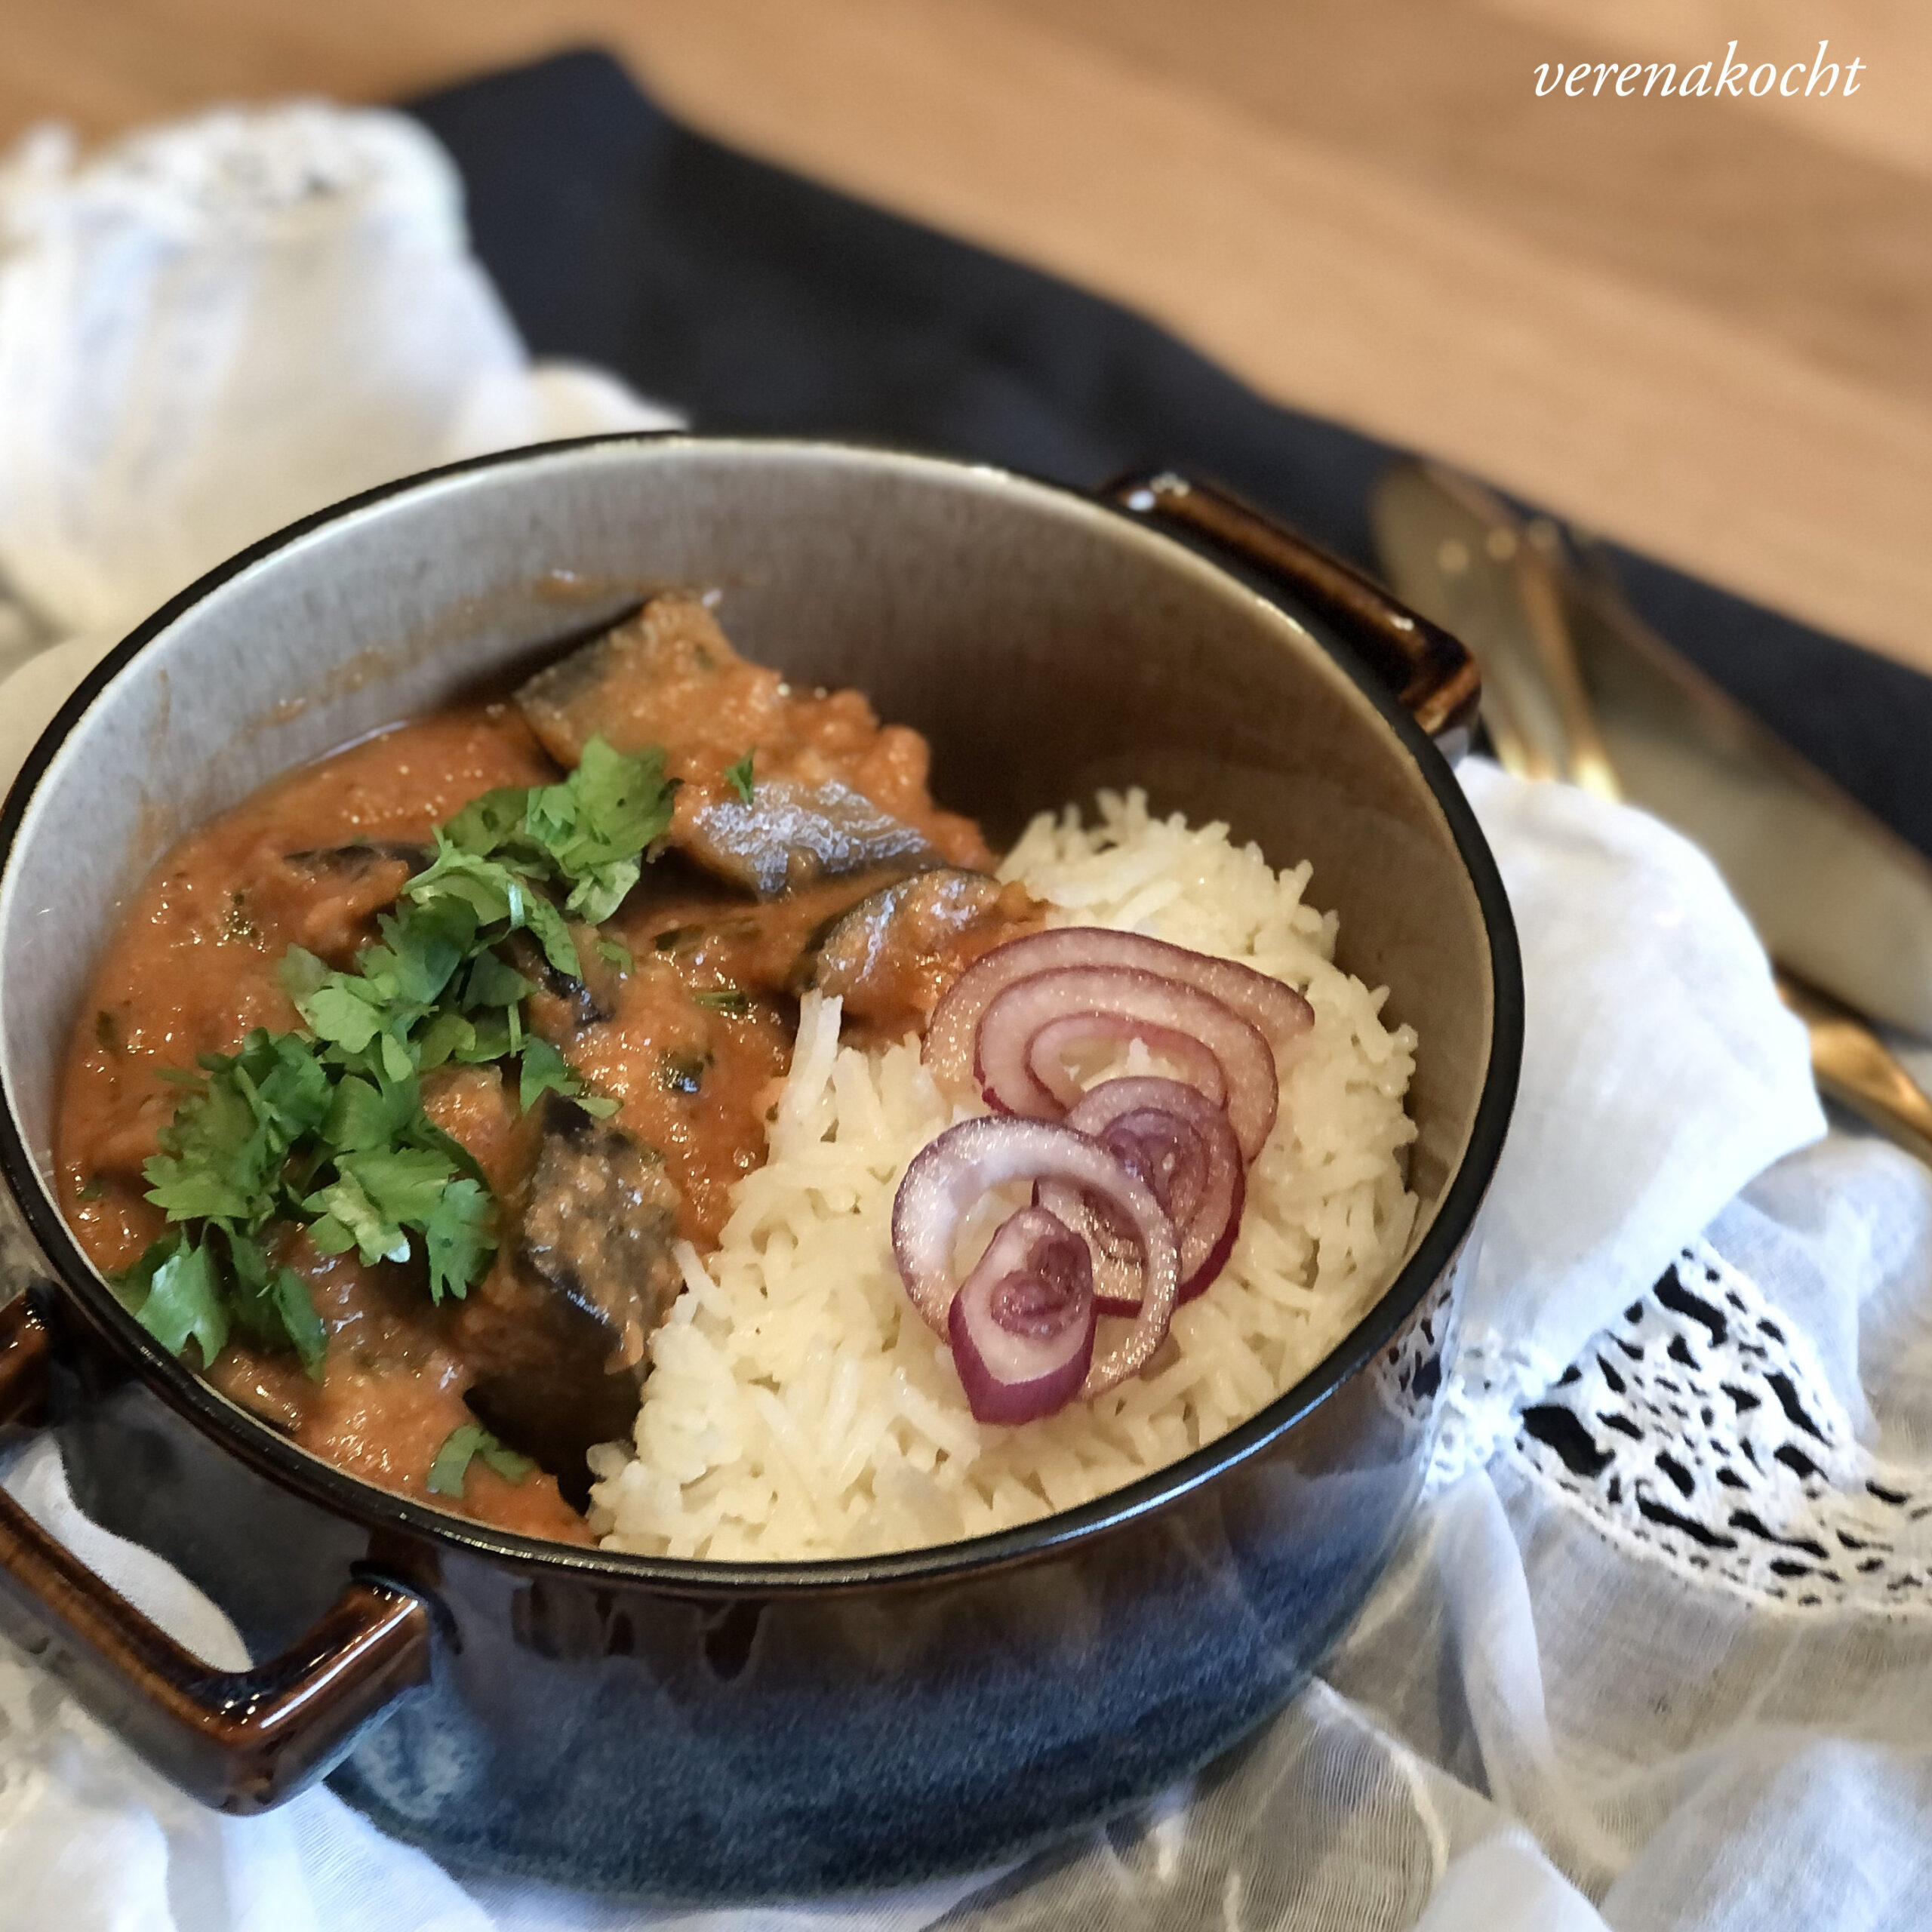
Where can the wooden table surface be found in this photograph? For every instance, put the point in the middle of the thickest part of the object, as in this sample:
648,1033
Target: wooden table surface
1702,327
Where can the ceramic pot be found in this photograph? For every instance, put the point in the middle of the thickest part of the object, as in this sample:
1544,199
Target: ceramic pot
711,1730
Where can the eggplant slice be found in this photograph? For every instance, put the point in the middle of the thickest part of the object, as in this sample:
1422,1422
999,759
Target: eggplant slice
889,957
662,678
791,834
640,684
359,861
558,1334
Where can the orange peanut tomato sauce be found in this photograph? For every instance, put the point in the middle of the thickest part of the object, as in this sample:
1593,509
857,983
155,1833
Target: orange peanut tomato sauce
193,968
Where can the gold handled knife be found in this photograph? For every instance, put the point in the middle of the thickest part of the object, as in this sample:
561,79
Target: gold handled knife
1574,686
1836,895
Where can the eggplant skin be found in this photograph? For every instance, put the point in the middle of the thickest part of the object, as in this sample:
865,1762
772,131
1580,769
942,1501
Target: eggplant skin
357,861
658,678
890,956
590,1277
791,835
916,912
598,1225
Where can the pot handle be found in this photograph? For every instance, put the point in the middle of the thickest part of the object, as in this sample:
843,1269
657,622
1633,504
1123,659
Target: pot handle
242,1740
1427,672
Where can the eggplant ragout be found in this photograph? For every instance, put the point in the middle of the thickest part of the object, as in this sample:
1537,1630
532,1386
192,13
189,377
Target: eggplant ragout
401,1079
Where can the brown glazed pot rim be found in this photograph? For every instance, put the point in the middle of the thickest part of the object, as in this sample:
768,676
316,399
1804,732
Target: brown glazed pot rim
283,1462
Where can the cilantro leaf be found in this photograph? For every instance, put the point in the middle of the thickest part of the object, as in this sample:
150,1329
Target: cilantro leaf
366,1114
487,887
548,926
463,1445
492,981
378,1194
132,1284
490,1037
222,1153
452,1460
300,973
419,952
456,1237
596,825
181,1302
286,1084
274,1307
448,1037
486,824
740,775
507,1463
305,1329
206,1185
545,1071
345,1010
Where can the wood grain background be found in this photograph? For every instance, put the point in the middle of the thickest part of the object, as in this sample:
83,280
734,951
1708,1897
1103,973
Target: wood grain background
1704,328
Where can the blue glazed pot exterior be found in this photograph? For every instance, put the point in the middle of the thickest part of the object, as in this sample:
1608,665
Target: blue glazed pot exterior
684,1746
696,1730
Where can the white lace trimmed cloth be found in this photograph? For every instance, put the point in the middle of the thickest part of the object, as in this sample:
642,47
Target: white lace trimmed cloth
1657,1652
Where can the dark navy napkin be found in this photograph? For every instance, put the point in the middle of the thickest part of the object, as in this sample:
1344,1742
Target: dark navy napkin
755,300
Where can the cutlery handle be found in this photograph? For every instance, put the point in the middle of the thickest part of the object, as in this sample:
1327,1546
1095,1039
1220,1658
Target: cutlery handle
244,1740
1431,675
1854,1067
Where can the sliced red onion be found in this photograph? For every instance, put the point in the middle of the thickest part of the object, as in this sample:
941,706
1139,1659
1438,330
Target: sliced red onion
1280,1013
1022,1325
1184,1148
1015,1016
1047,1053
956,1168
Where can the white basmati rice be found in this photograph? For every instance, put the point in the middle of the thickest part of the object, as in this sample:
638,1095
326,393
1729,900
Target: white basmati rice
797,1406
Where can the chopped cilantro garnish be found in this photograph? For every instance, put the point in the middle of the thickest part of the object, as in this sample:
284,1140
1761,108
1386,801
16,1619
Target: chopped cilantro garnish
274,1305
614,952
175,1282
325,1128
463,1445
722,999
590,833
91,1189
740,775
545,1071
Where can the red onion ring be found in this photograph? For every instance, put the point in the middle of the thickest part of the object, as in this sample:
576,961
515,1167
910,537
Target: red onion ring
954,1170
1022,1325
1184,1148
1016,1015
1280,1013
1046,1054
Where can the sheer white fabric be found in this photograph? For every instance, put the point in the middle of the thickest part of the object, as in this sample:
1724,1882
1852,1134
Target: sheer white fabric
1660,1075
1588,1692
1554,1712
213,329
